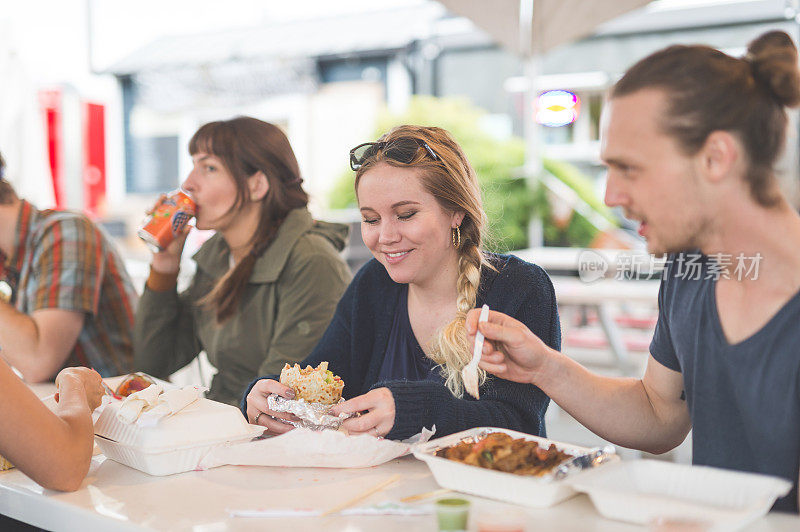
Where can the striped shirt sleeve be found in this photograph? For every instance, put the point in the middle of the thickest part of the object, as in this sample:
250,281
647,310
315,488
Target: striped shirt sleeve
67,265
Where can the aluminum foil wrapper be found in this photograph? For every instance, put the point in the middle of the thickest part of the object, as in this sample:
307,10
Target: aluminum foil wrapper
593,458
314,416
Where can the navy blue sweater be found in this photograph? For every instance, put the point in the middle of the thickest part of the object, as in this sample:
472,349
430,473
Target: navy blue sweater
355,343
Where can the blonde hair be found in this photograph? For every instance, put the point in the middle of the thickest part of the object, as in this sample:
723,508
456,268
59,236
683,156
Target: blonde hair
454,184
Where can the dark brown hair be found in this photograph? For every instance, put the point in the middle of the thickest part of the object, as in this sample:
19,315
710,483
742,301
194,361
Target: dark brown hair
246,146
7,194
708,91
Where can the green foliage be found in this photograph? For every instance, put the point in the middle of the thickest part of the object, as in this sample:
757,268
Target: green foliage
578,231
343,194
508,200
581,184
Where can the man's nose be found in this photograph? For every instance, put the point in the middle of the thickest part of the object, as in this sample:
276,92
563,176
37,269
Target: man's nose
614,196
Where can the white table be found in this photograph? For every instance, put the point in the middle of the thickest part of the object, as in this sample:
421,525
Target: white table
116,497
568,261
601,296
573,291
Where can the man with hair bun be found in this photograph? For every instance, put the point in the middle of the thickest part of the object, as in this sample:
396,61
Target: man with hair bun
690,137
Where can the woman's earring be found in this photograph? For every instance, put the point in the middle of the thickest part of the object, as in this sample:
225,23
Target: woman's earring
456,237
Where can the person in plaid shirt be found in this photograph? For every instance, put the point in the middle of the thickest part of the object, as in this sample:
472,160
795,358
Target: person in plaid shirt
65,297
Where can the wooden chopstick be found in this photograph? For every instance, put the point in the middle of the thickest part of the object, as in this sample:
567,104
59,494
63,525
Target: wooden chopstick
359,498
420,496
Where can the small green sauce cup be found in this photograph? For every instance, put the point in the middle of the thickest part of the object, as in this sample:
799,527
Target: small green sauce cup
452,514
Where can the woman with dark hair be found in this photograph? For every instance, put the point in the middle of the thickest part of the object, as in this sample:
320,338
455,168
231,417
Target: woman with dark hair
398,339
267,282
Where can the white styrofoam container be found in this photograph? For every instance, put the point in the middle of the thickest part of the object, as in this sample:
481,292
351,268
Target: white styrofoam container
642,491
160,462
202,421
176,444
507,487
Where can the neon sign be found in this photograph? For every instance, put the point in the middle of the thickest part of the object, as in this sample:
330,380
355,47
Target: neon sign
557,108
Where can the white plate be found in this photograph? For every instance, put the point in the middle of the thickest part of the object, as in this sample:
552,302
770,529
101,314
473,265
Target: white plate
507,487
642,491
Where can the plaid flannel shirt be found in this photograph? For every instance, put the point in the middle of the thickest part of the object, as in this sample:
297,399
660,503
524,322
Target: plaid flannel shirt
62,260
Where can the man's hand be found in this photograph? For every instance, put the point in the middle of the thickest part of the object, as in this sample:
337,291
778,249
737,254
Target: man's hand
510,351
655,419
379,417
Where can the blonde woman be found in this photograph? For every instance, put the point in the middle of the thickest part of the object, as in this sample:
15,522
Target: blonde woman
397,338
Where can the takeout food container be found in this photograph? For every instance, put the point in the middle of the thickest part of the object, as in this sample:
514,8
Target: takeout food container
177,443
644,491
508,487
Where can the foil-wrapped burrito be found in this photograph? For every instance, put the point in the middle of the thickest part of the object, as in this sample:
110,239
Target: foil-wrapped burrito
316,390
314,385
314,416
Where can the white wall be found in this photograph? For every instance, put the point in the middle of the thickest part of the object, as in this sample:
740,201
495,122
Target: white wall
50,41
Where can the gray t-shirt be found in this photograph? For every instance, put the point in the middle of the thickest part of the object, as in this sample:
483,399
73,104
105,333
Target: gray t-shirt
744,399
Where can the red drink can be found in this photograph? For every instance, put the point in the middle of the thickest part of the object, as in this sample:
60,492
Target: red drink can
167,220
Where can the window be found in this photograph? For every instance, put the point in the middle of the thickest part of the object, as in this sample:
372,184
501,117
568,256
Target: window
152,164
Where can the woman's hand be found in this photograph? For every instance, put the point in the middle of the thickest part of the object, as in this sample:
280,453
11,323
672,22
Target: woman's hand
379,417
258,413
169,260
510,351
72,380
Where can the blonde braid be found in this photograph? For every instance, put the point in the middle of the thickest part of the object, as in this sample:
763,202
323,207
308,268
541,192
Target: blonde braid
450,345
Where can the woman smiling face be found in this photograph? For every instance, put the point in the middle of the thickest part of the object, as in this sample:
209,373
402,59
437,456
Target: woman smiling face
404,226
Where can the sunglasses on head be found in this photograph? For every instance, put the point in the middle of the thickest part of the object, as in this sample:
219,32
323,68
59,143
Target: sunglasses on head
402,150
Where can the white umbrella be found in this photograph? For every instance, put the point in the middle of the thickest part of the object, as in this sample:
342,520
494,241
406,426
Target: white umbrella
553,22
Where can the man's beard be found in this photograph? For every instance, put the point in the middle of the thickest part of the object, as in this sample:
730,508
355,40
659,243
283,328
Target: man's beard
691,238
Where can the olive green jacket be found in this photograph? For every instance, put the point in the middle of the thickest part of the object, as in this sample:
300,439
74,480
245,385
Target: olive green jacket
291,297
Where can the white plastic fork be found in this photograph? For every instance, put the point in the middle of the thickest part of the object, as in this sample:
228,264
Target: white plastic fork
469,374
